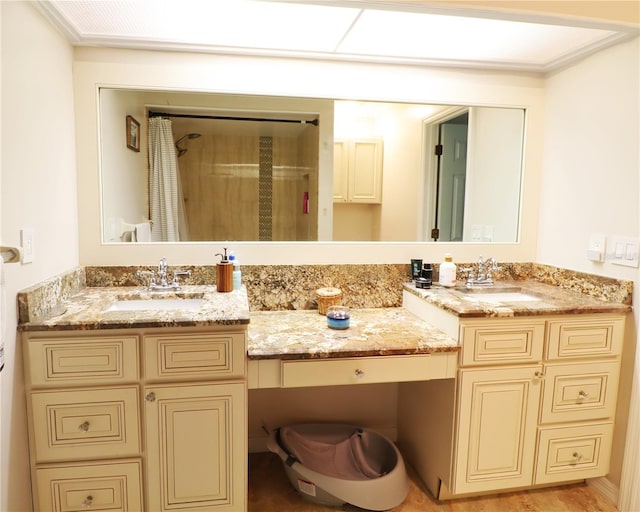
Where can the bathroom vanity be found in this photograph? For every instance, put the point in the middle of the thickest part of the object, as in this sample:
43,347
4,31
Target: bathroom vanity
135,409
534,398
139,410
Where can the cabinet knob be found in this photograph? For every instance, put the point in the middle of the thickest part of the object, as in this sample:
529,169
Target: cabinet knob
539,375
577,456
88,501
84,426
582,395
359,373
151,397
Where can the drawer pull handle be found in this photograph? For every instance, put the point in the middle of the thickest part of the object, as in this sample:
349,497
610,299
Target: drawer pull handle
582,395
359,373
88,501
151,397
539,375
577,456
84,426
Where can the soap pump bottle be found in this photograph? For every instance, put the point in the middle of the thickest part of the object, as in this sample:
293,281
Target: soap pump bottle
448,272
224,273
237,273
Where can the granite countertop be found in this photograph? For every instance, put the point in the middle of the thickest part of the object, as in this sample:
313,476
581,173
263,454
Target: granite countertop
552,300
303,334
87,310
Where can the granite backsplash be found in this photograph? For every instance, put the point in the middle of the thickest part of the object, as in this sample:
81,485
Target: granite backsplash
289,287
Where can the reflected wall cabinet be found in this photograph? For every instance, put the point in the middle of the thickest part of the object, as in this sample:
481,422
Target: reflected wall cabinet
357,171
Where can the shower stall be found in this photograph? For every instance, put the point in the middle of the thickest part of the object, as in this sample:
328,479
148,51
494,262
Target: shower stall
248,179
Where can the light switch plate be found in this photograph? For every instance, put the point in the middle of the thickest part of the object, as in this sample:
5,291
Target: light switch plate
26,241
624,251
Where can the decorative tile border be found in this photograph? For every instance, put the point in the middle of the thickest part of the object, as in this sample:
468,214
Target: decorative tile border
265,189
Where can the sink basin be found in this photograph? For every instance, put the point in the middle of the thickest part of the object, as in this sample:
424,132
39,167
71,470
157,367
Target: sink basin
499,297
172,304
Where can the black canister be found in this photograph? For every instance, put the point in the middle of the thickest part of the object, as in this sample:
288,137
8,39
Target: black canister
416,265
426,276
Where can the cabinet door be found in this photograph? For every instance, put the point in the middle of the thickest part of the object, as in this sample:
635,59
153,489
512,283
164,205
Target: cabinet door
357,171
496,430
196,441
365,176
340,171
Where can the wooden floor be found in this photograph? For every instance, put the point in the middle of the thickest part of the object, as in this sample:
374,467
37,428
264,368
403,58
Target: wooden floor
270,491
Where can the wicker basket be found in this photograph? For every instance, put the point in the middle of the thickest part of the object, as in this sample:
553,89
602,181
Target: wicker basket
328,297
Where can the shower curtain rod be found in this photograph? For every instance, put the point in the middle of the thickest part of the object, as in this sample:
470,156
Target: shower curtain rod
233,118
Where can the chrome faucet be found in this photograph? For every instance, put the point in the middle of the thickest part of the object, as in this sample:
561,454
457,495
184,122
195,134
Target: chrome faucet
159,279
484,273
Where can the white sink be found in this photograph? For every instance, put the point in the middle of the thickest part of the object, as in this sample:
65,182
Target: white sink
499,297
172,304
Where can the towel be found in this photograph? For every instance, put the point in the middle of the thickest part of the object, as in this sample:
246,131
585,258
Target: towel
143,232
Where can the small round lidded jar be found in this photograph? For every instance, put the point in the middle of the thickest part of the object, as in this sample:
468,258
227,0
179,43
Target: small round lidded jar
338,317
328,297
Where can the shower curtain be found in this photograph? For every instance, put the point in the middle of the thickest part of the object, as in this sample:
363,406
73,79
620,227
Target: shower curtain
165,190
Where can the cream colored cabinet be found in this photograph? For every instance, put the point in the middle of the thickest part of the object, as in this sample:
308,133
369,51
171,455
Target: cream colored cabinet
195,432
196,446
84,420
534,403
497,405
496,428
113,486
581,372
357,171
135,420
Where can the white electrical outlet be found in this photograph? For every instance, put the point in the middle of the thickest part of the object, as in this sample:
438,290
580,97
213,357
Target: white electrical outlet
597,247
26,241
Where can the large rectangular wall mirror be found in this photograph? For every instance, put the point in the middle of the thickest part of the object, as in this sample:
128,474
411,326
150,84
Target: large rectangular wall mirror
252,168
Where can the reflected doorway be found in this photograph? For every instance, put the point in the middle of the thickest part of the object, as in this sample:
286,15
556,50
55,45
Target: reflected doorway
451,177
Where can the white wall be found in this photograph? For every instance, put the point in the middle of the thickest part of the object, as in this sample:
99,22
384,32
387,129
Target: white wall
591,184
288,77
400,127
125,193
492,198
38,191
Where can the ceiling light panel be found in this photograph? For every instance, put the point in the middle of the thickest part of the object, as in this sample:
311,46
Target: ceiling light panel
441,37
223,23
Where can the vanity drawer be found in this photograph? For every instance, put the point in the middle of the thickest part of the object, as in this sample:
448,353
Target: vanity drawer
363,370
115,487
579,391
195,356
496,342
571,453
83,360
84,424
594,336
